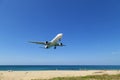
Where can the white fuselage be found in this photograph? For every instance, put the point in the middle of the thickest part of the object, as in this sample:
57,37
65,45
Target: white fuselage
54,41
57,38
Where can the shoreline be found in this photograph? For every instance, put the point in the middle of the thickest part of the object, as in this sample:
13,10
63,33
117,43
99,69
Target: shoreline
47,74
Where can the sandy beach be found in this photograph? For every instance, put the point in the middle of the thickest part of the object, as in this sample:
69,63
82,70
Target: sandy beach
28,75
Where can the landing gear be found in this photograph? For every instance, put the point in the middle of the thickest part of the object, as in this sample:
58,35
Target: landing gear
60,44
54,47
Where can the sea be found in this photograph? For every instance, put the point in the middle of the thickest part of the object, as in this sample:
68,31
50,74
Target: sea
57,67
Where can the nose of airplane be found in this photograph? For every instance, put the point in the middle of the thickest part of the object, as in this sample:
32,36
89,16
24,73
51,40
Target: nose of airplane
61,34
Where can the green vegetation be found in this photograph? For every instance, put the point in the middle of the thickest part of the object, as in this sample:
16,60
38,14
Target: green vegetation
92,77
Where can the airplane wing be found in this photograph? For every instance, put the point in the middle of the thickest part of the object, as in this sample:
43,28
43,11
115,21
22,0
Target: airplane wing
38,42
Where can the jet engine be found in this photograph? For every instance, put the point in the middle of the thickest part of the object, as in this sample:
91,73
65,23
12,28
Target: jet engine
46,46
46,42
60,44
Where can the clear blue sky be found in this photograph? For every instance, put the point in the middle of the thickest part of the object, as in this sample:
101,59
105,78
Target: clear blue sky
91,31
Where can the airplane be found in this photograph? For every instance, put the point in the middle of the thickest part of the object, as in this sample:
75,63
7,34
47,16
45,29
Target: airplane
53,43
